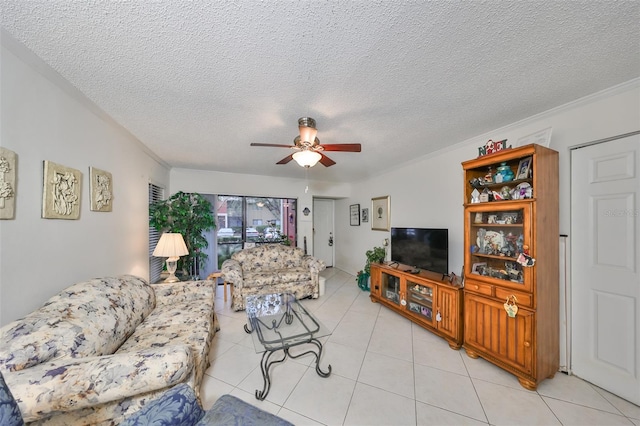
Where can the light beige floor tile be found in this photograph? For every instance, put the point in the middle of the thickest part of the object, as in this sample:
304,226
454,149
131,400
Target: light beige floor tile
296,418
372,406
234,365
575,390
625,407
506,406
354,330
482,369
430,415
450,391
324,400
284,377
212,389
345,361
435,352
392,338
578,415
391,374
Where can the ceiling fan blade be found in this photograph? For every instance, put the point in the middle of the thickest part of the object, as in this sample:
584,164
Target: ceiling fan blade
272,144
345,147
326,161
286,159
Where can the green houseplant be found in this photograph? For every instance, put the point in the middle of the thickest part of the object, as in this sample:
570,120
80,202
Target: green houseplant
375,255
189,214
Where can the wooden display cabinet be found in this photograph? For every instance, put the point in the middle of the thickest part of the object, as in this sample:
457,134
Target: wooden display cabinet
511,308
424,298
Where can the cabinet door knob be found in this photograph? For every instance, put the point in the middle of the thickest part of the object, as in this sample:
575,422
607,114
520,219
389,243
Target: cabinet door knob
527,344
476,287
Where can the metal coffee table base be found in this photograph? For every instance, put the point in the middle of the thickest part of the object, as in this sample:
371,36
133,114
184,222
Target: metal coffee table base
267,361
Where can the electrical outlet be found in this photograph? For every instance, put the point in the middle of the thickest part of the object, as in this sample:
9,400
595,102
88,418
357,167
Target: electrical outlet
385,242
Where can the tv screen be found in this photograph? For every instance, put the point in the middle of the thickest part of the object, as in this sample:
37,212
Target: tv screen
421,248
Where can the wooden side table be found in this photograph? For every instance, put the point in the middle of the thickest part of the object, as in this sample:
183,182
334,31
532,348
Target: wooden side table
214,277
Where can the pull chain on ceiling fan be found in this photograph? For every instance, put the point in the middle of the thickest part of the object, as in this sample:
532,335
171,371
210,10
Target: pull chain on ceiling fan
308,148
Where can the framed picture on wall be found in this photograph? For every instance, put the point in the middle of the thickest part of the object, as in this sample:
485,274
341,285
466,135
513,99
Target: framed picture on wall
365,215
380,219
354,214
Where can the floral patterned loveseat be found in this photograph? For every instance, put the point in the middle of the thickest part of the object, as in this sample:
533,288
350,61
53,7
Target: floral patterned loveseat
272,268
100,350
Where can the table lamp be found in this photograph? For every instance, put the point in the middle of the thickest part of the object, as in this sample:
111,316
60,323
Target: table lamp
171,246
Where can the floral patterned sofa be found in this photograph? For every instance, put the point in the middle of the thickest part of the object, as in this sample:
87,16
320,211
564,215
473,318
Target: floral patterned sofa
272,268
100,350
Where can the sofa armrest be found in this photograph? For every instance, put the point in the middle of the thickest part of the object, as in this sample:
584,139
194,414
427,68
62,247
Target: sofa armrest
184,291
314,264
71,384
232,272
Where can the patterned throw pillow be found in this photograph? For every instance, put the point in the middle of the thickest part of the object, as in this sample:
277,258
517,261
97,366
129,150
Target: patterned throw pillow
9,412
177,407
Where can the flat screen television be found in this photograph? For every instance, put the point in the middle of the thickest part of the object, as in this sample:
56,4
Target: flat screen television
421,248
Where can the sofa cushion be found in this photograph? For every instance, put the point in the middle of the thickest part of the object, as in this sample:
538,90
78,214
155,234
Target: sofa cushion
260,279
91,318
293,275
269,257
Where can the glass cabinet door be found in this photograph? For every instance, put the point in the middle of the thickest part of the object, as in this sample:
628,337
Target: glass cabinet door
498,241
390,287
420,300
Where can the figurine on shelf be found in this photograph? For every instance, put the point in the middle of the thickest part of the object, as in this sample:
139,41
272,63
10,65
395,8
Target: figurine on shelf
525,259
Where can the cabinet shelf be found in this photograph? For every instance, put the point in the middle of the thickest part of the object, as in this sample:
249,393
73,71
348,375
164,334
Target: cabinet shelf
514,182
492,256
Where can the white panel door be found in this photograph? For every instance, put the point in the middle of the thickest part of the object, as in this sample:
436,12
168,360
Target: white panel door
323,232
605,285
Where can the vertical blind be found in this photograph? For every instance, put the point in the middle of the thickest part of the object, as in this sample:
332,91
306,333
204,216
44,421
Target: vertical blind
156,193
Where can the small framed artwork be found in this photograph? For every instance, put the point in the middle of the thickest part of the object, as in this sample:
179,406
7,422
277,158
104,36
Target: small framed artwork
7,183
61,192
541,137
354,214
380,218
523,168
101,189
478,268
365,215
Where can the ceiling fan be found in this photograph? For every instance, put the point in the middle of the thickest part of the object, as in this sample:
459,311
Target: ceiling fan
308,149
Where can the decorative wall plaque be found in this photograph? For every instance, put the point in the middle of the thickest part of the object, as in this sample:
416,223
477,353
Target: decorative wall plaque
61,192
7,183
101,188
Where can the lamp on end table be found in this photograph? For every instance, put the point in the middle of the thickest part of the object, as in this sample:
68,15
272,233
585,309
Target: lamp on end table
171,246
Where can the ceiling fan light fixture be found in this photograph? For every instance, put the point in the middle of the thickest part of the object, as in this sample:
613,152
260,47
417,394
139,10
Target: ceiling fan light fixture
307,158
308,131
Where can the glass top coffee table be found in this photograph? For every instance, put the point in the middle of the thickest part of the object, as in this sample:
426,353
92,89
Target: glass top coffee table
278,322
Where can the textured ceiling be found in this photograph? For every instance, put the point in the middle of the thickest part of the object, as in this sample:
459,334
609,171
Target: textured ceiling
198,81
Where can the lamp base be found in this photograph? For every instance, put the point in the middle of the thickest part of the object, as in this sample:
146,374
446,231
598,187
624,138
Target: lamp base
172,265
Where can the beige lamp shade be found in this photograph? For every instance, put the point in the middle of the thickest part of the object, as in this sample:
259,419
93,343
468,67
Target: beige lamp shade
171,246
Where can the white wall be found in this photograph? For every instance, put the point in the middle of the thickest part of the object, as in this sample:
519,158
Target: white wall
44,118
428,191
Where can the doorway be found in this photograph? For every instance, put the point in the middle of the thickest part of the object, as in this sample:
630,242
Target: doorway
323,230
605,228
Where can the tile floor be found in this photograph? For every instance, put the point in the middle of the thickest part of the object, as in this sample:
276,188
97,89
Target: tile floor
388,371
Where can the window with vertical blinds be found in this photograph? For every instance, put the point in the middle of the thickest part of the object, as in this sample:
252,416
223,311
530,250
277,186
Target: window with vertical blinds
156,193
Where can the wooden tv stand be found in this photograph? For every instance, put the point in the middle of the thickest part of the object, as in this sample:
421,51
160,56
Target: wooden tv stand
424,298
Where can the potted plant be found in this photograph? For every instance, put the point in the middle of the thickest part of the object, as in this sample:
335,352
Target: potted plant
190,215
375,255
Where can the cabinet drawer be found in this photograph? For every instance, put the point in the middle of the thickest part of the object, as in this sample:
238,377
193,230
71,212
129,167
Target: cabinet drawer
480,288
523,299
